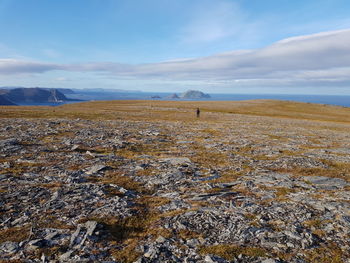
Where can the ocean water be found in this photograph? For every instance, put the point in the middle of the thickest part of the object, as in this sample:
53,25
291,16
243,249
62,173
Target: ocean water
320,99
45,103
89,96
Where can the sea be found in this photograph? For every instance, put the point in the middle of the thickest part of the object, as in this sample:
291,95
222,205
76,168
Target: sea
340,100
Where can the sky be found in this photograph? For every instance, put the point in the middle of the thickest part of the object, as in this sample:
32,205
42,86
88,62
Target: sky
216,46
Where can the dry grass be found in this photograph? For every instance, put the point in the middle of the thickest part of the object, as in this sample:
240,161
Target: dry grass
227,177
209,158
15,234
229,252
51,221
149,171
328,254
212,132
53,185
282,192
250,216
335,170
128,232
153,201
317,223
180,110
17,169
158,149
188,234
115,177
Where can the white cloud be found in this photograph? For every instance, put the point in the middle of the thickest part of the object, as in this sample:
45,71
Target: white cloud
16,66
319,59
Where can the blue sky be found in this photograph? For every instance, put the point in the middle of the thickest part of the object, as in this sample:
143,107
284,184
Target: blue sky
242,46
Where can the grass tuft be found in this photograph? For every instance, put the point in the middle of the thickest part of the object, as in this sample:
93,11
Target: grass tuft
230,252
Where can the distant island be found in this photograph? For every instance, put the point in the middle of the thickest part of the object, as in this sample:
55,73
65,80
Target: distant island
194,94
190,94
15,96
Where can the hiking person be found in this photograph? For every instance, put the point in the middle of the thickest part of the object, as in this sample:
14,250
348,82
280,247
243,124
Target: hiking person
198,112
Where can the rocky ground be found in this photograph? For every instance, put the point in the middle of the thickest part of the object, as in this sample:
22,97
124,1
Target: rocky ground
237,188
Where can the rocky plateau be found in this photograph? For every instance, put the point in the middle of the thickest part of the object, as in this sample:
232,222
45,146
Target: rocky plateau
226,187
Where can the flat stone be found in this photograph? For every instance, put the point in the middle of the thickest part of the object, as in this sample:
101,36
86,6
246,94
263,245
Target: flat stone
208,259
11,141
51,235
75,147
66,256
96,168
326,182
9,247
74,236
227,185
177,160
208,178
90,226
213,259
269,260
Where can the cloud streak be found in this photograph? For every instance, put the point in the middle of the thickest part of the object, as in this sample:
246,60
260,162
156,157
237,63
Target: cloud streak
313,59
16,66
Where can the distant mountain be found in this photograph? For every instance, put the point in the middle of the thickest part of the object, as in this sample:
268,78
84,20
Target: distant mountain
194,94
64,91
36,95
5,101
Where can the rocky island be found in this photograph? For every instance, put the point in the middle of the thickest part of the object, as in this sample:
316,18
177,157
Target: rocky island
119,181
194,94
189,95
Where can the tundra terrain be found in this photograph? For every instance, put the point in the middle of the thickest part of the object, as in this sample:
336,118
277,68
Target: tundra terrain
147,181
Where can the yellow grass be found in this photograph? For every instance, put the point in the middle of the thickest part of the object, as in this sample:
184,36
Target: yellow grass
328,254
335,169
15,234
229,252
180,110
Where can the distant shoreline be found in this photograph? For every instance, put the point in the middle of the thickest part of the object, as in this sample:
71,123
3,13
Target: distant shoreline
337,100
